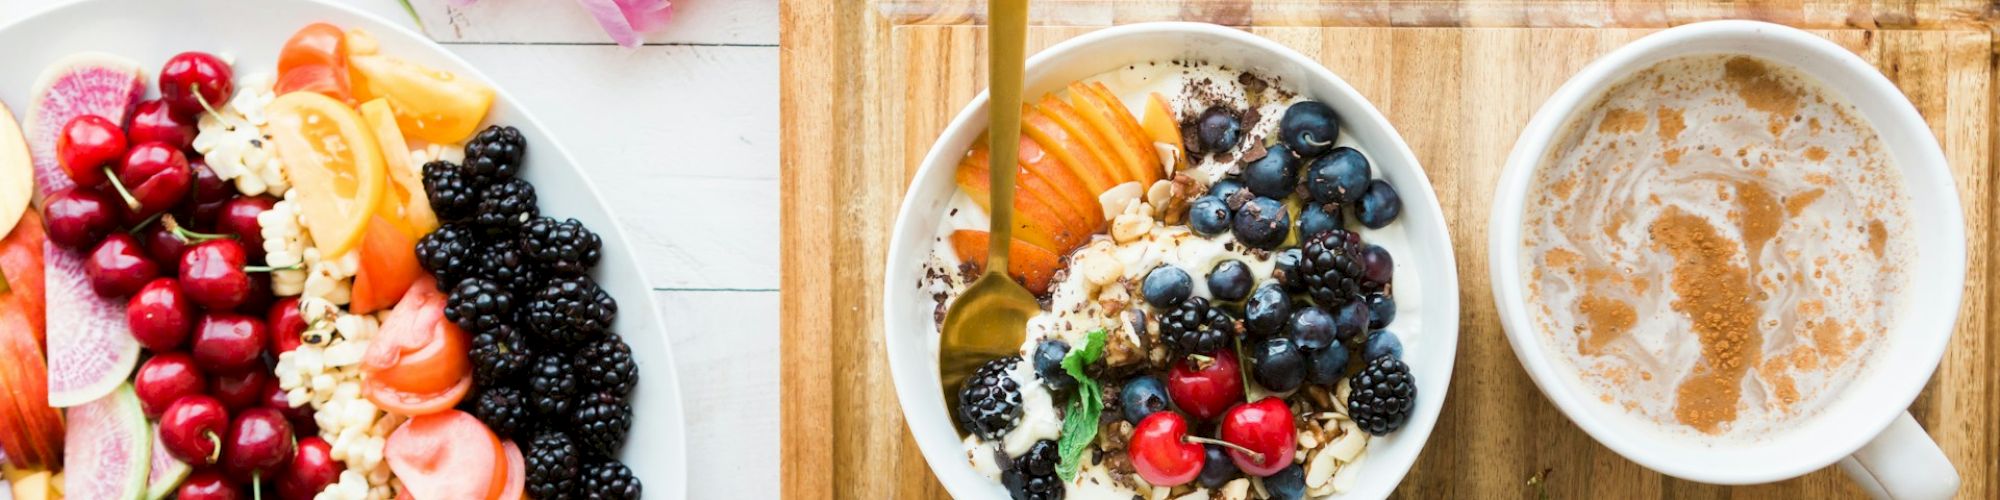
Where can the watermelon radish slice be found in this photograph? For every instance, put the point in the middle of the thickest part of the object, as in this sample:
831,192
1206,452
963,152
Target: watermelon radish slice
109,448
91,350
166,473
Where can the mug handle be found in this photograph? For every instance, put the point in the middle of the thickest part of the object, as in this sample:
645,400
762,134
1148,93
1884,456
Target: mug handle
1902,463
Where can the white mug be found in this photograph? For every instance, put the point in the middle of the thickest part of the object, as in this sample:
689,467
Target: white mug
1866,427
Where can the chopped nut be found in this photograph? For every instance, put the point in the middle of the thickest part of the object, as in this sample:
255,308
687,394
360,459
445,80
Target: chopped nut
1348,475
1099,266
1114,200
1128,227
1350,443
1320,469
1237,489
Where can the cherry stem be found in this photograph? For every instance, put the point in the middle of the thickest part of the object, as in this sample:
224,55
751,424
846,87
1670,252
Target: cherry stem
216,441
130,202
257,483
141,226
266,269
1254,456
187,236
195,88
1203,359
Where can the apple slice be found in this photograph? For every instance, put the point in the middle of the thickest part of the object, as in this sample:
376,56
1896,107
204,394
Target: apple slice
17,172
1065,186
1163,128
1033,266
1128,126
1137,160
1068,148
972,177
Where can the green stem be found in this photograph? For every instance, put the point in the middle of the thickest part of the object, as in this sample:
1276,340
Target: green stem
130,202
266,269
187,236
1254,456
141,226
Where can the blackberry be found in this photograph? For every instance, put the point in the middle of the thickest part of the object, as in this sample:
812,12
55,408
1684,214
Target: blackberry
495,153
565,246
499,354
1032,476
610,367
1384,393
506,205
1330,268
453,193
1195,328
503,262
990,401
553,464
478,304
503,409
610,480
450,254
552,385
571,310
601,420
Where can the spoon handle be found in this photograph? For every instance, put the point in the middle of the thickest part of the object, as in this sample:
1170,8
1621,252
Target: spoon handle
1006,40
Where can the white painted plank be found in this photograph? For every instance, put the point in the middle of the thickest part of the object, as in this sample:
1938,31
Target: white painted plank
563,21
726,350
682,142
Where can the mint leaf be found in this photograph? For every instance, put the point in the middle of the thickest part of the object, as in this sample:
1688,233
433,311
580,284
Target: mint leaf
1080,421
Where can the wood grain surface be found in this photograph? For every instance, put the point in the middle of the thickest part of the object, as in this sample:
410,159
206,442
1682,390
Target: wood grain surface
863,97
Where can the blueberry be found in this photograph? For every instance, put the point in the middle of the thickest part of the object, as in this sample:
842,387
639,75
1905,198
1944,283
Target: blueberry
1378,268
1381,310
1218,129
1339,177
1317,218
1287,270
1381,343
1327,365
1277,364
1166,286
1262,223
1268,310
1225,189
1218,469
1379,205
1287,484
1309,128
1208,216
1273,175
1048,364
1142,396
1350,323
1230,281
1312,328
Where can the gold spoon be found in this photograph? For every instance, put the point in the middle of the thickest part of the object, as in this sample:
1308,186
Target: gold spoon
989,320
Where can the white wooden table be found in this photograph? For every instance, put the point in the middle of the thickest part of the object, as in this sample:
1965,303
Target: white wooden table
681,138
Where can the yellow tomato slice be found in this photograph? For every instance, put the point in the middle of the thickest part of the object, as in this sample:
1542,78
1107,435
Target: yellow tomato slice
404,202
335,163
429,104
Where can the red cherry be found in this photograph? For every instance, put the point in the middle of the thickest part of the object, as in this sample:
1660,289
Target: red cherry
312,469
88,144
160,315
242,390
1161,452
259,300
164,379
118,266
212,274
157,176
1205,386
259,445
1265,428
206,197
191,429
191,78
229,343
239,217
301,416
153,121
287,326
208,484
78,217
164,247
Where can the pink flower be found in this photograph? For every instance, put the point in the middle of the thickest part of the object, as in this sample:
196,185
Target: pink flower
624,20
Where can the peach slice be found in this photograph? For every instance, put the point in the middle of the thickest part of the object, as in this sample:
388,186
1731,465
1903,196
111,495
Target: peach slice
1029,264
1069,228
1134,135
1064,186
1067,148
1095,146
1160,124
1134,153
1030,214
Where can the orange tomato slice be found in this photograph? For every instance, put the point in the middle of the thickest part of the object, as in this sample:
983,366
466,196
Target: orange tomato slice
446,455
430,104
315,60
517,473
418,363
404,201
335,163
388,266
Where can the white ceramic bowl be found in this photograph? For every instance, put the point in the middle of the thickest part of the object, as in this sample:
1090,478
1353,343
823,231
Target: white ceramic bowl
252,32
1426,274
1908,354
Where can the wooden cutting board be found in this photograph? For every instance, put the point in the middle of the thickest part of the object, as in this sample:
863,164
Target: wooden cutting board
867,87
